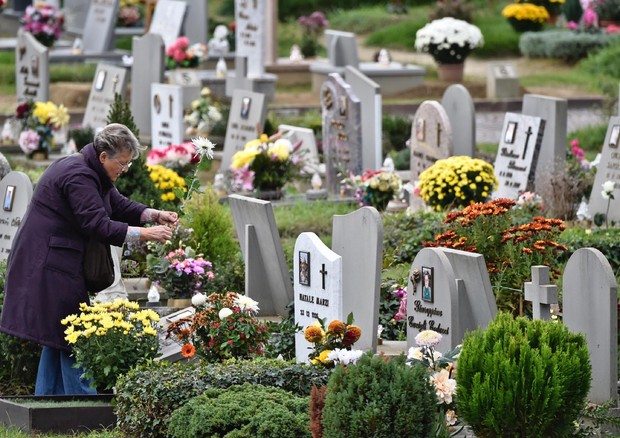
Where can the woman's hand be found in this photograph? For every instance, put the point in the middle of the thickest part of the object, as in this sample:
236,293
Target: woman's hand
158,233
169,218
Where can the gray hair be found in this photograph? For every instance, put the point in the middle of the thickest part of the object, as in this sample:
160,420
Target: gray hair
115,139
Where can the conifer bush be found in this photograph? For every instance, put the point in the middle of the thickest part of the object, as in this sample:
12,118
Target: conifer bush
522,378
378,397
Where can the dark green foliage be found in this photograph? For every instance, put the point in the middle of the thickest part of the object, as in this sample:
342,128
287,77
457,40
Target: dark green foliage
147,395
522,378
282,339
120,112
608,10
389,304
396,133
572,10
567,45
379,397
402,159
242,411
137,185
604,63
606,241
82,136
459,9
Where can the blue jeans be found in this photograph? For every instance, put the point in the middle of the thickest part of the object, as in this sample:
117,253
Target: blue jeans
57,375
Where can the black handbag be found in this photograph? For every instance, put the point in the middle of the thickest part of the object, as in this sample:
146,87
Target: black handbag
98,266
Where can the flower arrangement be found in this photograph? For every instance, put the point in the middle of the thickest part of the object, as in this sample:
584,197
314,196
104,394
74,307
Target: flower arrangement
38,122
181,272
181,54
108,339
441,367
448,40
526,16
333,345
166,180
376,188
314,24
203,115
266,163
456,182
44,22
181,158
133,262
224,326
130,12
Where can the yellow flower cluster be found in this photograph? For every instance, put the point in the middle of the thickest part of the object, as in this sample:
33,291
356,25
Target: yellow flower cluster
526,11
50,113
456,182
126,3
166,180
279,149
120,316
385,182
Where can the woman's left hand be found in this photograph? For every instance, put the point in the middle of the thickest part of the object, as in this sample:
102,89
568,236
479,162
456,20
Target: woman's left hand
169,218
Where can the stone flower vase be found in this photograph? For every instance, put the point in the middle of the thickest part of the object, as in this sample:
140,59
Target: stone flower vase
451,72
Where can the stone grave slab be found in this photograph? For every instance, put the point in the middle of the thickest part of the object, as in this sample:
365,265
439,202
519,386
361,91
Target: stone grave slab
245,122
369,94
147,68
16,190
108,81
267,278
552,155
75,12
590,306
318,282
168,20
449,291
32,70
517,155
166,115
461,112
308,144
196,23
608,170
341,48
358,238
250,34
342,131
502,81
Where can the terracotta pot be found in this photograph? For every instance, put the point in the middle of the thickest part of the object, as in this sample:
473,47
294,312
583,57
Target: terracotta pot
451,72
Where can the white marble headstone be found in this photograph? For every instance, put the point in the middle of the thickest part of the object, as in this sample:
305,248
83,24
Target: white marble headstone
608,170
32,71
250,34
168,20
317,273
166,115
108,81
459,107
16,192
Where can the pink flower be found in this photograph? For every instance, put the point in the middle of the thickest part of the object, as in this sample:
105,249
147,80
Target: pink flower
589,18
402,310
182,43
572,25
29,141
178,55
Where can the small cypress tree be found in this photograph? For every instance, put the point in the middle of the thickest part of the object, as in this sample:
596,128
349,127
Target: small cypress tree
572,10
120,112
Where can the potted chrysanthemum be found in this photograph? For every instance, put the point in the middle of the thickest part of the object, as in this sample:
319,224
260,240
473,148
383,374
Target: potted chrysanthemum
449,41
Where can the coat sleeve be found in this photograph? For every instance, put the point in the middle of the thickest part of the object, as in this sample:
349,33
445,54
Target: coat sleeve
125,210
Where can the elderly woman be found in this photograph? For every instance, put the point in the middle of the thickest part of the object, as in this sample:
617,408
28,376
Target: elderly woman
75,200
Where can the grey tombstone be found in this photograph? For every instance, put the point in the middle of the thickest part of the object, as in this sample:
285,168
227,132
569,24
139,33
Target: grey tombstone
250,34
456,298
590,305
75,13
16,190
502,81
32,70
461,112
239,79
554,111
341,48
245,122
369,94
308,146
342,131
168,19
166,115
540,293
108,81
267,278
147,68
317,274
358,238
517,155
196,24
608,170
99,26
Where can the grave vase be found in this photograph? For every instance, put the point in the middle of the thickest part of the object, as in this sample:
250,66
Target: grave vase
451,72
269,195
39,155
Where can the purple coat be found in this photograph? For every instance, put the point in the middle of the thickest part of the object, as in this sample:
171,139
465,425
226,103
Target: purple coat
74,200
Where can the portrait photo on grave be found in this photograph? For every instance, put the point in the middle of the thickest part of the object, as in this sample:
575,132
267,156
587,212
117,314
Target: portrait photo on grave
304,268
343,106
509,136
9,195
157,103
428,294
614,137
100,81
246,102
419,129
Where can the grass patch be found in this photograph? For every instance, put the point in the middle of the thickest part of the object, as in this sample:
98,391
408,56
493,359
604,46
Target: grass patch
400,36
12,432
30,403
364,20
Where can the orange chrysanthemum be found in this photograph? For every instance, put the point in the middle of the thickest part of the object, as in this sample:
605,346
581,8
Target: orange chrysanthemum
336,327
352,335
313,334
188,350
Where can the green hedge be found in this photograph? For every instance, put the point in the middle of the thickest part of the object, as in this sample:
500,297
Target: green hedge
606,241
567,45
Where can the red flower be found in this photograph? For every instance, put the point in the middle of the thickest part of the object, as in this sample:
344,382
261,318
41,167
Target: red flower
188,350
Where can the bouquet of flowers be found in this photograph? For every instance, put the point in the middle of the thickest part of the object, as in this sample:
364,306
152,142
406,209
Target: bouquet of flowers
223,327
266,163
181,158
130,12
456,182
313,25
108,339
38,121
524,17
376,188
448,40
333,345
202,116
44,22
181,54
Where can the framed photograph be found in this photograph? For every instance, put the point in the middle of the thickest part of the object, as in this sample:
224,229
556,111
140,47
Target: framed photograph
419,129
511,130
343,106
9,195
100,80
428,293
246,102
304,268
157,103
613,138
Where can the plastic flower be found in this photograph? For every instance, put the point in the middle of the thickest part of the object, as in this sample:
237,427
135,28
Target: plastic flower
428,338
448,40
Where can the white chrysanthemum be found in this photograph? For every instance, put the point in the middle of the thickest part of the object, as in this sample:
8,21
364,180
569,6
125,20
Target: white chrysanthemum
344,357
427,338
204,147
415,353
224,313
199,299
246,303
446,33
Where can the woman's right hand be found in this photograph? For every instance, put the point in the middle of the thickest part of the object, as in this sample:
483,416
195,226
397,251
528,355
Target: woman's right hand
159,233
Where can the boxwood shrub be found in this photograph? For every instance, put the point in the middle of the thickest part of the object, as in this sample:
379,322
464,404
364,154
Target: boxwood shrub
147,396
567,45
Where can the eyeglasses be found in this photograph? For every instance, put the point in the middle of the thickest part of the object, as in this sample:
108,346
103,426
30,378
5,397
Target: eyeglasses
124,167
